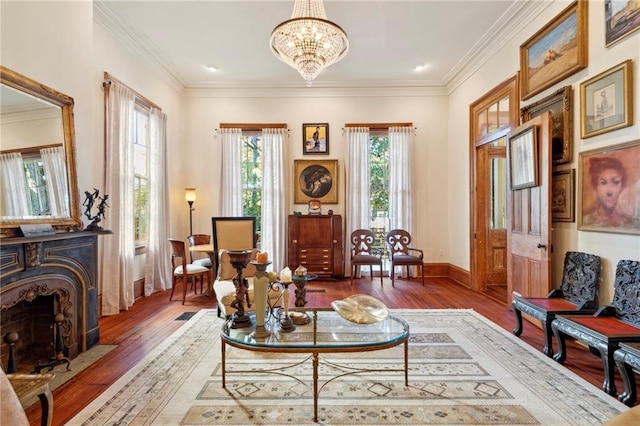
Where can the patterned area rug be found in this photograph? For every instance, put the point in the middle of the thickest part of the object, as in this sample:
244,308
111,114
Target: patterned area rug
463,370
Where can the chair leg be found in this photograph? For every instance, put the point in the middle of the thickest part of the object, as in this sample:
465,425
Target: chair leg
381,282
184,288
173,286
518,330
393,275
353,272
422,272
548,333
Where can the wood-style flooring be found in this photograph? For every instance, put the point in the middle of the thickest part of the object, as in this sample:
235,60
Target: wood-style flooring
152,319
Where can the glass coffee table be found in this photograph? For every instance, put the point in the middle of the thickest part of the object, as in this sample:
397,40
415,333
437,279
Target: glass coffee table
326,333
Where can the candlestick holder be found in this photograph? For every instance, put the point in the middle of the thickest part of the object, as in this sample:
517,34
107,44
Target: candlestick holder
239,259
285,323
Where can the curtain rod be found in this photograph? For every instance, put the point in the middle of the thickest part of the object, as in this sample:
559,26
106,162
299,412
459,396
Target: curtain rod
380,126
253,126
108,79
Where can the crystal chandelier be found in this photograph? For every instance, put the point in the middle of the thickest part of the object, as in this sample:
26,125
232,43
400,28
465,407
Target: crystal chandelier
308,41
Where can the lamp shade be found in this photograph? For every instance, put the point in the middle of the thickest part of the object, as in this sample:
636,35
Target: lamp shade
190,194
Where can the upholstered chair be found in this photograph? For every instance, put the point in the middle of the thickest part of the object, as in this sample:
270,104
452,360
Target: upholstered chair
362,253
402,254
185,271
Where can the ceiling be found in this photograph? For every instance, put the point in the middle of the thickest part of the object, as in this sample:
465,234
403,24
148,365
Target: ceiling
388,39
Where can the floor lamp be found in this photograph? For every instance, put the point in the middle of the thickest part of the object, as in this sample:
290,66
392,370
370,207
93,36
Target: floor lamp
190,196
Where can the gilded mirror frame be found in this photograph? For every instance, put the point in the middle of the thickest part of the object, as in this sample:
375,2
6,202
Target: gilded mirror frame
9,227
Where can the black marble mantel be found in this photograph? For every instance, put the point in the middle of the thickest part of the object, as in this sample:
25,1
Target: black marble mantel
64,265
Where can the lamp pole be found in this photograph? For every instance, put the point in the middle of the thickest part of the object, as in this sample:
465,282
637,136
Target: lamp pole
190,196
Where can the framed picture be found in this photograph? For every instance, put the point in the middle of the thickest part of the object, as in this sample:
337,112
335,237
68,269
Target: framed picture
621,19
523,159
608,187
315,138
563,207
556,51
606,101
315,180
560,104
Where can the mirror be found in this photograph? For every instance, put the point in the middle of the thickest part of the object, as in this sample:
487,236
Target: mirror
37,160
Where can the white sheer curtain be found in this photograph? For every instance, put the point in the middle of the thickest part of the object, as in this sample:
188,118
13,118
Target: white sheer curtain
274,215
118,249
231,170
55,170
157,275
14,187
358,181
400,171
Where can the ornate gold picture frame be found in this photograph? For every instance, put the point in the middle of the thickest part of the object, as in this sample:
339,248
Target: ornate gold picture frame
556,51
609,178
563,208
560,103
315,179
606,101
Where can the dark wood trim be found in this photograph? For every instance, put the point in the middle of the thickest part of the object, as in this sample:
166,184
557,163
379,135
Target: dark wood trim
108,78
253,126
436,269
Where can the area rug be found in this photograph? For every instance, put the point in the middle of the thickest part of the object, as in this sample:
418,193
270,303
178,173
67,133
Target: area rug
463,370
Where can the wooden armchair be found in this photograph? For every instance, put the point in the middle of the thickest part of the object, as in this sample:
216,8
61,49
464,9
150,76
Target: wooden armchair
611,325
184,270
576,295
362,253
402,254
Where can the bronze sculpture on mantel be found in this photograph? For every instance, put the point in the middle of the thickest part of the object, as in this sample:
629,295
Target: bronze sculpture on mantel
90,200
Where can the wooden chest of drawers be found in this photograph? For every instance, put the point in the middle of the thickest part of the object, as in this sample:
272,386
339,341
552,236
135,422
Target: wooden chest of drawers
315,242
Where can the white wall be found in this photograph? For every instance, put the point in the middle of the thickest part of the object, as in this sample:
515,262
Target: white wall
611,247
58,44
201,160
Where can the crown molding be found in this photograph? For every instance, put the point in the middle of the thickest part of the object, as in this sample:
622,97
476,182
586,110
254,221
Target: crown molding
124,31
503,31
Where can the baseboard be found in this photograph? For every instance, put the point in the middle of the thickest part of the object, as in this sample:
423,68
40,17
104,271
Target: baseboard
138,289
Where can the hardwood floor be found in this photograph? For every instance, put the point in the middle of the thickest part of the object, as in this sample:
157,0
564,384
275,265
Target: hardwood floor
152,319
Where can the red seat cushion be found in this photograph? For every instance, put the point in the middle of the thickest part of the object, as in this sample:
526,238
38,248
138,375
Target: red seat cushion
552,304
608,326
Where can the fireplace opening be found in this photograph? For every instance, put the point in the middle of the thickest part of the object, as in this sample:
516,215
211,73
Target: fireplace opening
34,323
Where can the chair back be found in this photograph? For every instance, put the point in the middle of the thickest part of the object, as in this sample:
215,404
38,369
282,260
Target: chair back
362,241
580,276
178,250
232,233
198,239
626,293
398,241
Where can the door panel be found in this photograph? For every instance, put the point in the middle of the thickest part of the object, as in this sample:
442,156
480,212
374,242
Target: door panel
529,230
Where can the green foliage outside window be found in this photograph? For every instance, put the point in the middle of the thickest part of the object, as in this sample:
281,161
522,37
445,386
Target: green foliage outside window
252,178
379,174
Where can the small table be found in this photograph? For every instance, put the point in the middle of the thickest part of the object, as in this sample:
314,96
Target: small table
627,357
27,386
204,248
327,332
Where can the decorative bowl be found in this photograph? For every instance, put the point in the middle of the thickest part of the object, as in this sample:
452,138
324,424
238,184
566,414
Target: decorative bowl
361,309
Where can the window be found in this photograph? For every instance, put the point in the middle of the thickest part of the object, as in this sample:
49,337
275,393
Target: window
36,185
379,187
141,175
252,176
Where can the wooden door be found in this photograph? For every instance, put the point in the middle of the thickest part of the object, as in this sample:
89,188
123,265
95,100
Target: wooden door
492,216
529,231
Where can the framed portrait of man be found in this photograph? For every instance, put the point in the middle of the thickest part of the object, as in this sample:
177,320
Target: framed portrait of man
315,138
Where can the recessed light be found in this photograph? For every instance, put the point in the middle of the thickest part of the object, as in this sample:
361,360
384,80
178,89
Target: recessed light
212,68
420,68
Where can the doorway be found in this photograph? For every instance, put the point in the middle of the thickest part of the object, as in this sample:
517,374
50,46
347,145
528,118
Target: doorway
491,118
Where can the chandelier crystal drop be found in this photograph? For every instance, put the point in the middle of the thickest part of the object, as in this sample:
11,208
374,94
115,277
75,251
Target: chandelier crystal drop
308,41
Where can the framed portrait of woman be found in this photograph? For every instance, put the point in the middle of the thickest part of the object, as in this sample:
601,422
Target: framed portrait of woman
609,189
315,138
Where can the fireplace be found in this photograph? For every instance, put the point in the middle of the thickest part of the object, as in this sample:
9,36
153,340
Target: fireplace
42,277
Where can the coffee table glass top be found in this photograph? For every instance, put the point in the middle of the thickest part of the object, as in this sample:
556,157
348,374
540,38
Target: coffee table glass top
327,330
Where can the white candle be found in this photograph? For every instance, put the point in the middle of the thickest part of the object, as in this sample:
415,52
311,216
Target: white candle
285,275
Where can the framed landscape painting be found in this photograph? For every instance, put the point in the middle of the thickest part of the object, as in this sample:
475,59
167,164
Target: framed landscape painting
608,189
622,18
556,51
